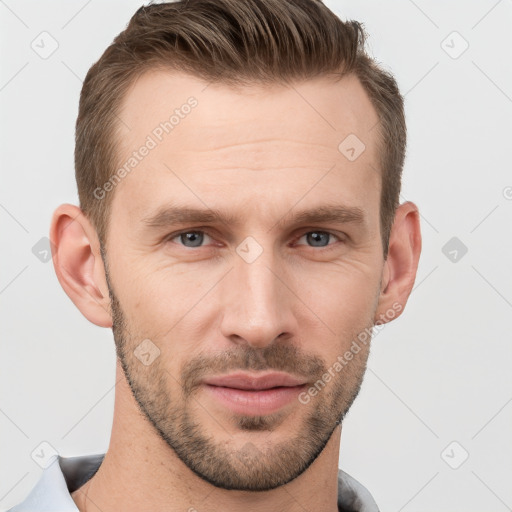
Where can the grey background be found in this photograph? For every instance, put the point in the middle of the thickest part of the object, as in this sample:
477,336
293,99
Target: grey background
437,375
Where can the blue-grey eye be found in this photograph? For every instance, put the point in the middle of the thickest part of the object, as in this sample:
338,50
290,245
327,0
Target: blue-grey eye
191,238
318,238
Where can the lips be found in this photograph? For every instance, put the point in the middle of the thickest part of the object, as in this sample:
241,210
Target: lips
254,382
254,394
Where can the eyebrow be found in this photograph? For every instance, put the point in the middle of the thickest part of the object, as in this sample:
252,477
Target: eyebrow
171,215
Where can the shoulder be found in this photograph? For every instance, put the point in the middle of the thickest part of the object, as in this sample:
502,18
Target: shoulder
354,496
59,479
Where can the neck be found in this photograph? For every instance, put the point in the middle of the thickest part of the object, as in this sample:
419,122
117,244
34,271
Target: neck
141,472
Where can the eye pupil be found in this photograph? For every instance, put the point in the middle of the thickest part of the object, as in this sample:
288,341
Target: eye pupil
316,236
192,236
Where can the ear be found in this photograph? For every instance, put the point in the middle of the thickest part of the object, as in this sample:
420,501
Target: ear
401,264
78,263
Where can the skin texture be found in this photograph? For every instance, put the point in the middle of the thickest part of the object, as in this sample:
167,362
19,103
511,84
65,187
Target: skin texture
259,155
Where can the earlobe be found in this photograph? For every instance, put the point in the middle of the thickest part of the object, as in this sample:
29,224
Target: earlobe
400,268
78,264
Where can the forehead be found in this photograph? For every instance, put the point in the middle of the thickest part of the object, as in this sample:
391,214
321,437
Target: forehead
314,109
209,142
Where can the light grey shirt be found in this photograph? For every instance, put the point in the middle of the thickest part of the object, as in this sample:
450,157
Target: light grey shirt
63,475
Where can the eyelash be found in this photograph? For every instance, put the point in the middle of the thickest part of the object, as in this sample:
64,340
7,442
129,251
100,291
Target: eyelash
171,237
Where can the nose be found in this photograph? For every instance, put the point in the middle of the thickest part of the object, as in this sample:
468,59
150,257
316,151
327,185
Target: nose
257,303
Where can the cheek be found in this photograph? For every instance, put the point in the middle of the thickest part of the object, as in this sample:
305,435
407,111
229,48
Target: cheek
154,295
168,307
344,300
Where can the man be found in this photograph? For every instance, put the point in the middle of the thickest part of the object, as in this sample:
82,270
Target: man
238,166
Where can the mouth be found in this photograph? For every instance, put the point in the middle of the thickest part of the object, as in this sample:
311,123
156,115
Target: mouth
254,394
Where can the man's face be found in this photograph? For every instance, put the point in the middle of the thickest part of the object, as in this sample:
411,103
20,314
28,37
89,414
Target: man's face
265,292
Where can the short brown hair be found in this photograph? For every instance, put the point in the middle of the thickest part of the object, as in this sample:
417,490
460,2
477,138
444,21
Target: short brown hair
234,42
